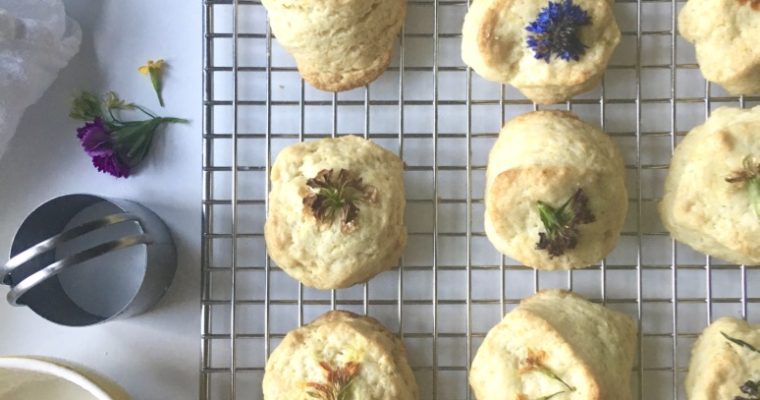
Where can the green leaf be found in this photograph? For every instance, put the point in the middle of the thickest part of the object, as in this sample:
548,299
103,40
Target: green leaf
86,107
740,343
133,139
112,101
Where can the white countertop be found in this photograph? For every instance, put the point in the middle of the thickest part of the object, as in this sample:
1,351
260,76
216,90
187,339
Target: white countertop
154,356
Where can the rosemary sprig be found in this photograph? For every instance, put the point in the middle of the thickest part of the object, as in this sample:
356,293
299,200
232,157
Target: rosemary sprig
749,174
750,388
534,362
740,343
336,196
561,223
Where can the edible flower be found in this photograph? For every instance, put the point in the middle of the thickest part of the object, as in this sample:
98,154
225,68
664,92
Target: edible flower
338,385
116,146
155,70
555,31
535,363
561,223
749,174
335,195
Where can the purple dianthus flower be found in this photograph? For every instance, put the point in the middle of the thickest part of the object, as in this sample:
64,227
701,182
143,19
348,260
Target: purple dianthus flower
97,143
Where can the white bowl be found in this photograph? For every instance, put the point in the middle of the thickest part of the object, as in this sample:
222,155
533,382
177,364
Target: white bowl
24,378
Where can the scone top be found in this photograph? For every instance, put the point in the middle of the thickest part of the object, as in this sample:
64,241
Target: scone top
336,211
340,356
555,191
712,190
556,344
725,34
725,362
550,50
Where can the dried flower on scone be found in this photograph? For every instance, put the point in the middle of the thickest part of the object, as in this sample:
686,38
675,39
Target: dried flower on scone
336,211
550,50
711,199
556,345
336,196
725,362
340,356
555,31
561,223
555,192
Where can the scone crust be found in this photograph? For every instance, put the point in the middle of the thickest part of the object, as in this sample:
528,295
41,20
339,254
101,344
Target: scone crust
546,156
494,45
338,44
322,255
724,33
718,368
589,346
699,207
339,337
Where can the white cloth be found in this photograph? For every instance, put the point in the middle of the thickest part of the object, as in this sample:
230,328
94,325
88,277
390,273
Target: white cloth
36,41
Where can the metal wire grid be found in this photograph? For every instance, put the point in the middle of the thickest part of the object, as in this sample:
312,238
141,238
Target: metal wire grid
451,286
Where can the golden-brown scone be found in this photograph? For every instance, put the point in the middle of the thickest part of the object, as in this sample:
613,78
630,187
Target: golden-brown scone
337,44
337,252
721,365
494,44
725,34
547,156
700,208
556,343
367,361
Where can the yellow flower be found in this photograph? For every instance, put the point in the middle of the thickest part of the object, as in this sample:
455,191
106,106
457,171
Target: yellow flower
151,65
155,69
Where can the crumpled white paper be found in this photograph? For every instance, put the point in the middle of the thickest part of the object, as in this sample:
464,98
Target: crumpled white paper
37,40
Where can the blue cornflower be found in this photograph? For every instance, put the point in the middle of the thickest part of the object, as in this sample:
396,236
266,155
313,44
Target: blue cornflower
555,31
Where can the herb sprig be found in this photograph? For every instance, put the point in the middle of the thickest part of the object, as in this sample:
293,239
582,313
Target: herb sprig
740,343
339,381
335,195
534,363
750,388
749,174
561,223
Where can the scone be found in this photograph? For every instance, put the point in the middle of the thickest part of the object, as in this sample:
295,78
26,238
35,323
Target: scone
336,211
338,44
725,34
712,192
725,362
549,50
555,191
340,356
556,345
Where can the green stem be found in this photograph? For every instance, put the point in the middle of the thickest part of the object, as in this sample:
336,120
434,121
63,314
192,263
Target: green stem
155,79
146,112
551,374
174,120
753,186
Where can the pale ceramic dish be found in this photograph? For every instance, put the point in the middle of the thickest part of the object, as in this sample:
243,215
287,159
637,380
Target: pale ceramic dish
24,378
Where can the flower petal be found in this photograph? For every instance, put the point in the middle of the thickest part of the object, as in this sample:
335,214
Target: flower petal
111,165
95,139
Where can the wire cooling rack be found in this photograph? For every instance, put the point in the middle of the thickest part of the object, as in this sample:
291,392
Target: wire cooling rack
442,119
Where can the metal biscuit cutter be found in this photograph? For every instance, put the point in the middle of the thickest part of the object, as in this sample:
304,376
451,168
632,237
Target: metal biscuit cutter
82,259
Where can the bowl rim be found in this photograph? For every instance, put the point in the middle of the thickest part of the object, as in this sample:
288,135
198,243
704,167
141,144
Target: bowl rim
55,370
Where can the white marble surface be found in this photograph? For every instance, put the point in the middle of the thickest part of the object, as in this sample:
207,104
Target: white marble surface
154,356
